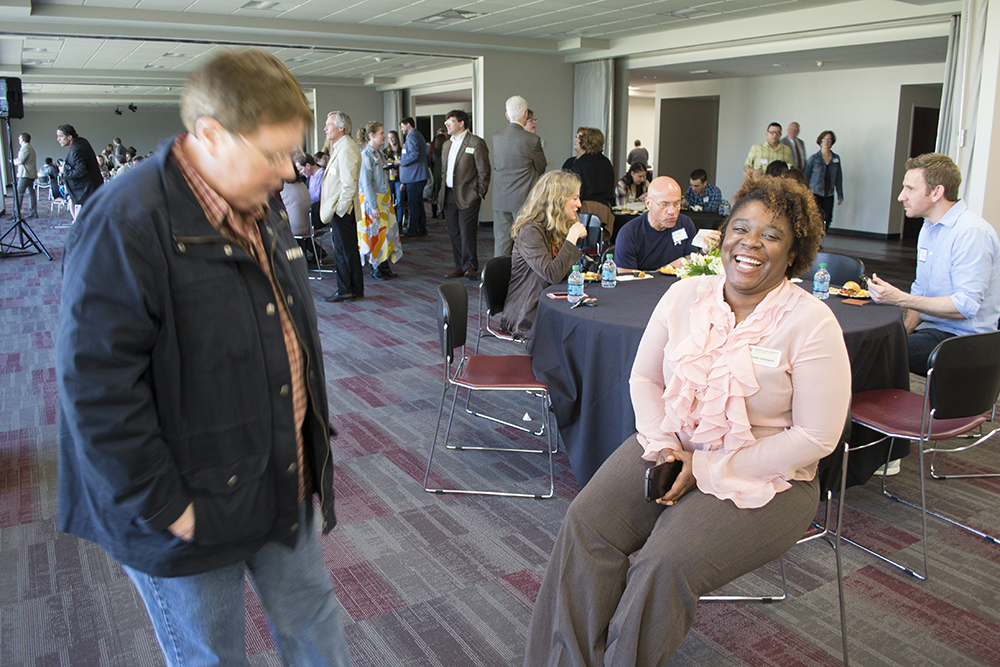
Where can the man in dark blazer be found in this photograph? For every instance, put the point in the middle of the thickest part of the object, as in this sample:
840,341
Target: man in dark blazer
413,174
82,173
465,167
519,161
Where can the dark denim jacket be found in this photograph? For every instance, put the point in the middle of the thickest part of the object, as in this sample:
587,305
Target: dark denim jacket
174,380
815,168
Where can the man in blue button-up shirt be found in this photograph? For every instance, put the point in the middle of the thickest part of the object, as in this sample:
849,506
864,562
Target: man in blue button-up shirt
957,290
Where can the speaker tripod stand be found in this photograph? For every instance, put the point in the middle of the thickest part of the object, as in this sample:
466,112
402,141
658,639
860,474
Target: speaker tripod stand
20,240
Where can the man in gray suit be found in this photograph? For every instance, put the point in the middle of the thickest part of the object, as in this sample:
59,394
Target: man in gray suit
798,147
519,161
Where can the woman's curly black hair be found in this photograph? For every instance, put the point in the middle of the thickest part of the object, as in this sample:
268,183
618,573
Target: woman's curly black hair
792,201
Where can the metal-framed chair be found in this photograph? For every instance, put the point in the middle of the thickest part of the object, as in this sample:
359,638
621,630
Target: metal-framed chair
833,481
314,238
841,267
963,382
493,286
480,373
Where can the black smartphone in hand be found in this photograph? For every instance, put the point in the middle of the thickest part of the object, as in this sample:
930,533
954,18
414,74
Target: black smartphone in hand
660,478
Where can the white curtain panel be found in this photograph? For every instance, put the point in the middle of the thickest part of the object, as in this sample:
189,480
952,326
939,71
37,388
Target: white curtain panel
392,105
593,92
960,94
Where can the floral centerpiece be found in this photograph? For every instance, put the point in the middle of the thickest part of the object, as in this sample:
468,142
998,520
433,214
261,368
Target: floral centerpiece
702,265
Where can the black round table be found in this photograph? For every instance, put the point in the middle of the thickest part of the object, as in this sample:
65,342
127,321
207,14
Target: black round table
584,355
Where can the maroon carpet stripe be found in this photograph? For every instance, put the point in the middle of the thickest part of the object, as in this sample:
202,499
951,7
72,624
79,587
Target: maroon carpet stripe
875,533
12,302
365,333
19,493
756,639
370,389
43,340
973,544
44,384
364,592
10,362
388,315
523,585
962,629
354,503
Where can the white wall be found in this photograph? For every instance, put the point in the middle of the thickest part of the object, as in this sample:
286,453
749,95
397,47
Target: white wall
860,106
361,103
143,129
546,82
641,124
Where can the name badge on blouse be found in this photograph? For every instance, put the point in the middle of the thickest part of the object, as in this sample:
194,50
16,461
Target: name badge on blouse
762,356
679,235
763,161
836,159
470,150
922,254
404,150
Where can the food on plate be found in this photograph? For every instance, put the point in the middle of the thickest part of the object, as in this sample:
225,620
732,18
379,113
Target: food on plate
850,289
591,276
852,286
668,270
639,274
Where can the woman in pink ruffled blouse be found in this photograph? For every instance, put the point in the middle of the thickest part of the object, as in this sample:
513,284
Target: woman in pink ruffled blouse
745,379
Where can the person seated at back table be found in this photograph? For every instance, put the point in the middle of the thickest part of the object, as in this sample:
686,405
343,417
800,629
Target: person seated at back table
702,193
632,186
661,235
545,234
744,378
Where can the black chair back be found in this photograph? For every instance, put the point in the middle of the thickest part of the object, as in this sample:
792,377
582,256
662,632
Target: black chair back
496,282
841,267
452,317
594,230
963,375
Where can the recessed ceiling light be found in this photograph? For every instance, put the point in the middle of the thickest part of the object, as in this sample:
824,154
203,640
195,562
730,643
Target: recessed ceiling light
777,65
258,4
689,13
153,67
298,60
175,55
698,71
35,49
450,15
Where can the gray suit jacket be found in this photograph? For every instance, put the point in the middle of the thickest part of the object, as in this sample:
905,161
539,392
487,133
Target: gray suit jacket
519,161
798,159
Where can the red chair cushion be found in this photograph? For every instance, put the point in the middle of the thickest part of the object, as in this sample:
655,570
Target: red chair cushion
508,372
897,412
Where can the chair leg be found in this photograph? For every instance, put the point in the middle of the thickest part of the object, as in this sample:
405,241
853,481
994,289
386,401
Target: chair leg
482,415
549,450
763,599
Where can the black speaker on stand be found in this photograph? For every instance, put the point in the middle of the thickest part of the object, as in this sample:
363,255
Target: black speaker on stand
22,239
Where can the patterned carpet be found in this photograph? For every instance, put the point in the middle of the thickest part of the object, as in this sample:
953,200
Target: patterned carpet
450,581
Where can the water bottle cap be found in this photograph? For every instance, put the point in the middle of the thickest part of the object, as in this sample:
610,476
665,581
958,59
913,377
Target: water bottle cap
576,267
822,265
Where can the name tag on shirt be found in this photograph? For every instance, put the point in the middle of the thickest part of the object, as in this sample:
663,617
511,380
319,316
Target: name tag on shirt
763,356
404,150
763,161
705,199
836,159
470,150
922,255
679,235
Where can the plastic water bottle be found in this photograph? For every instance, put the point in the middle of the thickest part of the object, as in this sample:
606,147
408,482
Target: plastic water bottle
609,273
575,284
821,283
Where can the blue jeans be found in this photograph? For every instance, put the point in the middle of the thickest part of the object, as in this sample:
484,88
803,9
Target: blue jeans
200,619
919,346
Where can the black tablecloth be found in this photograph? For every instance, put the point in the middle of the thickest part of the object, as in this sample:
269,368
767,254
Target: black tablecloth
585,357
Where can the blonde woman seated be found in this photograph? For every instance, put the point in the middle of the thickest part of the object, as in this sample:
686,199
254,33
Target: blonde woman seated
545,234
745,379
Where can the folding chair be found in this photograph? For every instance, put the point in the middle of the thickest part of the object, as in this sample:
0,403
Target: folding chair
594,240
480,373
314,239
963,381
832,480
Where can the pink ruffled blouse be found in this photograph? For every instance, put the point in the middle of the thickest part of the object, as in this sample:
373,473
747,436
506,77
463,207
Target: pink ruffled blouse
759,402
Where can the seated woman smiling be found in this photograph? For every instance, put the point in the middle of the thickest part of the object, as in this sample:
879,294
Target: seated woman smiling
745,379
545,234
